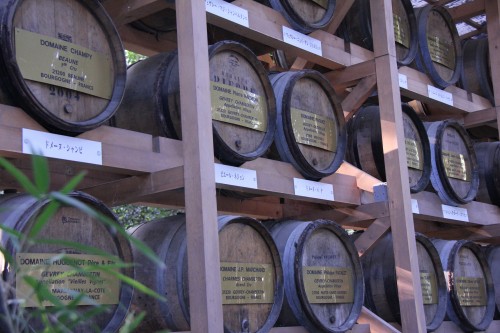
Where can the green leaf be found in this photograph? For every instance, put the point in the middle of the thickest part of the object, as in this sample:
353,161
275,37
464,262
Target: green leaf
131,322
41,173
43,218
20,177
73,183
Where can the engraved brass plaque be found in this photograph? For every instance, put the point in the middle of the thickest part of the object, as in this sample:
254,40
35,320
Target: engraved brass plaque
328,284
247,283
414,154
441,51
401,31
314,130
429,288
471,291
455,165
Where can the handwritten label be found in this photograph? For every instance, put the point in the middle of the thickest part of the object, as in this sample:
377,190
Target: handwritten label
311,189
302,41
455,213
328,284
228,11
247,283
414,206
62,147
440,95
403,81
229,175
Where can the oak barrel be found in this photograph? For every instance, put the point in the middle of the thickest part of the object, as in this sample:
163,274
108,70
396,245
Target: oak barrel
488,157
492,253
41,260
310,131
365,151
439,53
381,287
476,74
455,174
66,78
471,295
322,273
250,268
243,103
357,28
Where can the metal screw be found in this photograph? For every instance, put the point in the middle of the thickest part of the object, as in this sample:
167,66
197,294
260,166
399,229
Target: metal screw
332,319
315,161
245,325
68,108
237,143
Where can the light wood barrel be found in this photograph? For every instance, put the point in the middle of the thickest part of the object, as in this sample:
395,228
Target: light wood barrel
365,151
440,52
251,275
455,174
381,287
357,28
323,277
476,74
243,103
66,78
488,157
310,131
68,224
471,295
492,253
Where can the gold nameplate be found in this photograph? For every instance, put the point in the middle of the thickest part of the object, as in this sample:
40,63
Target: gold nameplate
314,130
237,106
246,283
455,165
441,51
328,284
401,29
471,291
429,288
414,154
53,61
66,278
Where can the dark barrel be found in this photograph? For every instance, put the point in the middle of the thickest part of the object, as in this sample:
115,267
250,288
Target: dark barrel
365,151
357,28
381,287
243,103
310,131
488,157
439,54
323,277
471,296
66,78
455,174
476,74
492,253
251,275
40,260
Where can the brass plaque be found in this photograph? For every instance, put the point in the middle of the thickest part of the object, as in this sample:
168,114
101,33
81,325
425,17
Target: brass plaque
429,288
401,31
53,61
455,165
471,291
328,284
441,51
66,278
237,106
314,130
247,283
414,154
321,3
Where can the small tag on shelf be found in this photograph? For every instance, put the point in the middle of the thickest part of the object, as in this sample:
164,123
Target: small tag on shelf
455,213
62,147
229,175
302,41
228,11
414,206
440,95
403,81
311,189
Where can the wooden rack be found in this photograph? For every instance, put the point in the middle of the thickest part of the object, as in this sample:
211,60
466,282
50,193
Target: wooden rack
145,169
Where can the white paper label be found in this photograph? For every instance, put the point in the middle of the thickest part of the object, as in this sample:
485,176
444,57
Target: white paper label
228,11
414,206
229,175
62,147
455,213
310,189
403,81
302,41
440,95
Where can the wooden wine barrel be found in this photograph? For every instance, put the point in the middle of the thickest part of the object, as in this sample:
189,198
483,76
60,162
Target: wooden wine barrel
251,275
492,253
471,296
365,151
41,260
476,74
310,131
440,52
381,287
66,78
243,103
488,157
322,273
455,174
357,28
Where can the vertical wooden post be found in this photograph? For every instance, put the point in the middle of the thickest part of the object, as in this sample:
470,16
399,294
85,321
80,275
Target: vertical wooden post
405,250
205,295
492,8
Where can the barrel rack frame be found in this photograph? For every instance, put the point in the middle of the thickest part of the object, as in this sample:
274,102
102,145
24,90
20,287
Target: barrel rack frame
165,172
